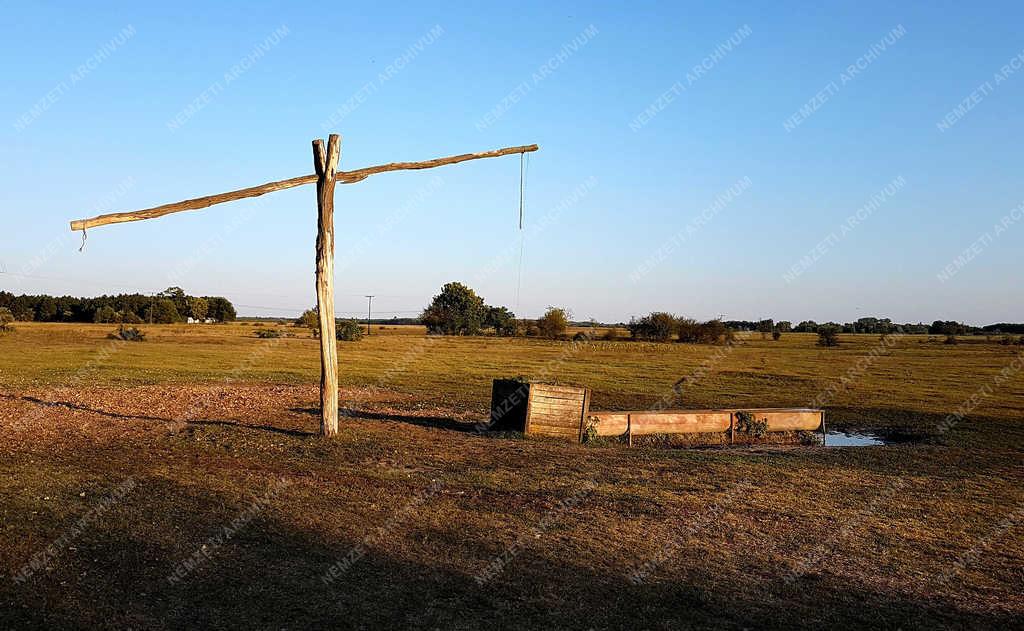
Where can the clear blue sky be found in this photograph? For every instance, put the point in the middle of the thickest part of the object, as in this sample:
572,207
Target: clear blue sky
105,140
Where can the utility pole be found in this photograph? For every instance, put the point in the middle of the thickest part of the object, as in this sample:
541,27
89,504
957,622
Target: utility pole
369,303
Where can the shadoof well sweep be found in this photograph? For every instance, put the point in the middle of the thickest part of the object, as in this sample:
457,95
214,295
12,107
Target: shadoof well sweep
325,163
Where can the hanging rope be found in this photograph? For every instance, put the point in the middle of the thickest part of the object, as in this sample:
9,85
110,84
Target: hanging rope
84,237
522,186
524,162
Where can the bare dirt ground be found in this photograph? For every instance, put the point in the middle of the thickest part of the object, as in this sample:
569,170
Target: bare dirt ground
176,506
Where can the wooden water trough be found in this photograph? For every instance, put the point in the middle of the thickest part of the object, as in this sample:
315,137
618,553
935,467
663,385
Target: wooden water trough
720,421
562,411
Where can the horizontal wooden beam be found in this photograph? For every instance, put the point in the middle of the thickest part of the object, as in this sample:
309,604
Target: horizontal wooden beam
343,177
349,177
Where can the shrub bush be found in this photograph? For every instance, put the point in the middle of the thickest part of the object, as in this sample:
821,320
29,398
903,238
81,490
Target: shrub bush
269,334
712,331
349,331
951,339
553,323
689,330
828,335
776,334
309,319
6,320
657,327
611,335
745,422
128,334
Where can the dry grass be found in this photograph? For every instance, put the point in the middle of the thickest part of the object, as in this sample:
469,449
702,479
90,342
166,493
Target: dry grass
919,535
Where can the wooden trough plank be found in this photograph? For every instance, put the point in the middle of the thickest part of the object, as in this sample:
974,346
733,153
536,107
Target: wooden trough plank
547,426
560,404
556,419
547,387
560,398
541,427
611,424
572,433
701,421
561,423
556,414
679,423
791,421
578,394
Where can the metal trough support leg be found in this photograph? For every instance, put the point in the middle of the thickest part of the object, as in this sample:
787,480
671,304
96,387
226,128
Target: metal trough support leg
629,430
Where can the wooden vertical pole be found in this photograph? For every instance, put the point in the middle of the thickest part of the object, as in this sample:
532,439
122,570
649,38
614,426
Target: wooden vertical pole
585,412
326,165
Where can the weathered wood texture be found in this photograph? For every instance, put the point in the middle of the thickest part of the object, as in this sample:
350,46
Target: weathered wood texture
539,408
344,177
642,422
678,422
326,165
791,420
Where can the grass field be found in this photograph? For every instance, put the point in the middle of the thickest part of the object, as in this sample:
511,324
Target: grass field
177,482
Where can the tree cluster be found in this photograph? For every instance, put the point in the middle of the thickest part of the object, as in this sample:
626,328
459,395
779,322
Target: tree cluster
876,326
169,306
458,310
662,327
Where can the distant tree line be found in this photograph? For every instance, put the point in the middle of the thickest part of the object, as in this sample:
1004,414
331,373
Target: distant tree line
1003,327
169,306
458,310
877,326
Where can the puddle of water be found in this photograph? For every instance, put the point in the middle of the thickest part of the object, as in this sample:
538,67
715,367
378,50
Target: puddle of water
852,439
